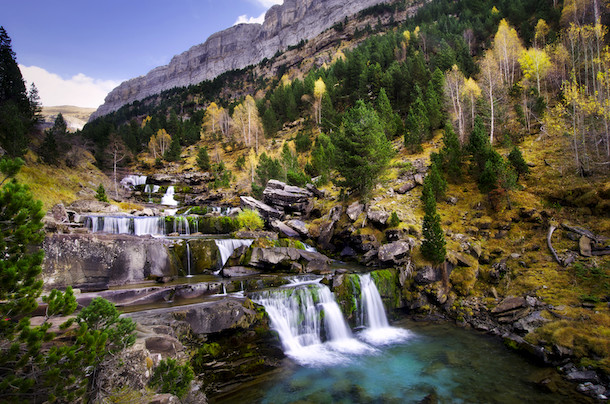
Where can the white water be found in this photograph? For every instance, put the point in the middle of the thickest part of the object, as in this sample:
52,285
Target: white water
181,225
309,248
138,226
131,181
168,198
227,246
296,312
188,260
378,330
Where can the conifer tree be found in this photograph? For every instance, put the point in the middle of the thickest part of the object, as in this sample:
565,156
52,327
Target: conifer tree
203,159
518,162
417,125
361,148
101,194
433,243
451,155
34,367
386,114
16,117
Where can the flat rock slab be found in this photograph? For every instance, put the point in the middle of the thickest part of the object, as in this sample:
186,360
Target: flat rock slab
203,318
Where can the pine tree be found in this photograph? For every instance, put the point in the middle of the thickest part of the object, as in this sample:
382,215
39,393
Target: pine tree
101,194
518,162
29,370
386,115
437,183
452,155
16,117
361,148
433,243
203,159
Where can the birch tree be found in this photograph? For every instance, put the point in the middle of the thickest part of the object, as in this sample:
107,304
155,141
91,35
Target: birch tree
454,85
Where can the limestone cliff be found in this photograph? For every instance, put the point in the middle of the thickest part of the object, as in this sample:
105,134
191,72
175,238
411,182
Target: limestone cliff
237,47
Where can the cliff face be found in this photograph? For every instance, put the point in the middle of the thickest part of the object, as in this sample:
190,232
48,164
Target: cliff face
237,47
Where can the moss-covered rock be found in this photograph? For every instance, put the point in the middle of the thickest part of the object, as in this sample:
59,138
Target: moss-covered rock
204,256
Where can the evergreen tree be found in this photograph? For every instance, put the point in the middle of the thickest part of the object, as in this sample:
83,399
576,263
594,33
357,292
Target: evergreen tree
386,115
433,243
451,154
16,117
417,125
322,157
101,194
54,145
29,370
518,162
270,123
479,147
173,153
203,159
437,183
361,148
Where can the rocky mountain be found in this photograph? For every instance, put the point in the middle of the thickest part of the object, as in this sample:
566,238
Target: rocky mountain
237,47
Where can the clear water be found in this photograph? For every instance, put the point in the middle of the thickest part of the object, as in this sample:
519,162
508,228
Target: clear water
439,362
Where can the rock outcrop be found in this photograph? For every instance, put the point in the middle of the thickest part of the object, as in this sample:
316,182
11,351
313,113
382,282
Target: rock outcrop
237,47
95,262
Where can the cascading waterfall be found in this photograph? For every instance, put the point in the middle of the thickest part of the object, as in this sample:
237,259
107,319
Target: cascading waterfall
138,226
377,328
181,225
151,189
296,313
226,248
168,198
131,181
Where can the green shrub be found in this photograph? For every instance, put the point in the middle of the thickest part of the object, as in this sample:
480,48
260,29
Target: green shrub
170,377
250,219
393,221
101,194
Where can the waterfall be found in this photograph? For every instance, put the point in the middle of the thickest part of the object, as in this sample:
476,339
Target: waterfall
181,225
131,181
139,226
188,260
227,246
296,313
168,198
373,312
151,189
378,330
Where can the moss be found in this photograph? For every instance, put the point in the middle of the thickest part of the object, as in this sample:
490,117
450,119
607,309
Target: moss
463,279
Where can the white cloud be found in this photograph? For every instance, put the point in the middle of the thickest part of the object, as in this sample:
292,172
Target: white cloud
267,4
79,90
250,20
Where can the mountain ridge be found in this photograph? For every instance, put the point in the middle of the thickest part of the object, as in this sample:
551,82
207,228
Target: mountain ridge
237,47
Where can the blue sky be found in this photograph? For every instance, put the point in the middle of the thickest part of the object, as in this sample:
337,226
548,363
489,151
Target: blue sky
78,50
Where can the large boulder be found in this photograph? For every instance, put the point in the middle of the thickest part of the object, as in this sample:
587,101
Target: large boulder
299,226
288,259
202,318
354,210
267,212
92,205
287,197
283,229
511,309
394,253
378,217
97,261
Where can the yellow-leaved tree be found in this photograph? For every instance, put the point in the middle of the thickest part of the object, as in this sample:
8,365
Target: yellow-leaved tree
535,64
318,92
507,48
159,143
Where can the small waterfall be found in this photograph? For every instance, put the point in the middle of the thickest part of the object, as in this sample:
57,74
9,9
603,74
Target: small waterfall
227,246
139,226
153,225
151,189
373,312
296,313
131,181
168,198
181,225
378,330
188,260
309,248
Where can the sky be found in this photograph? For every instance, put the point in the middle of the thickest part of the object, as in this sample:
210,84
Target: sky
76,51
